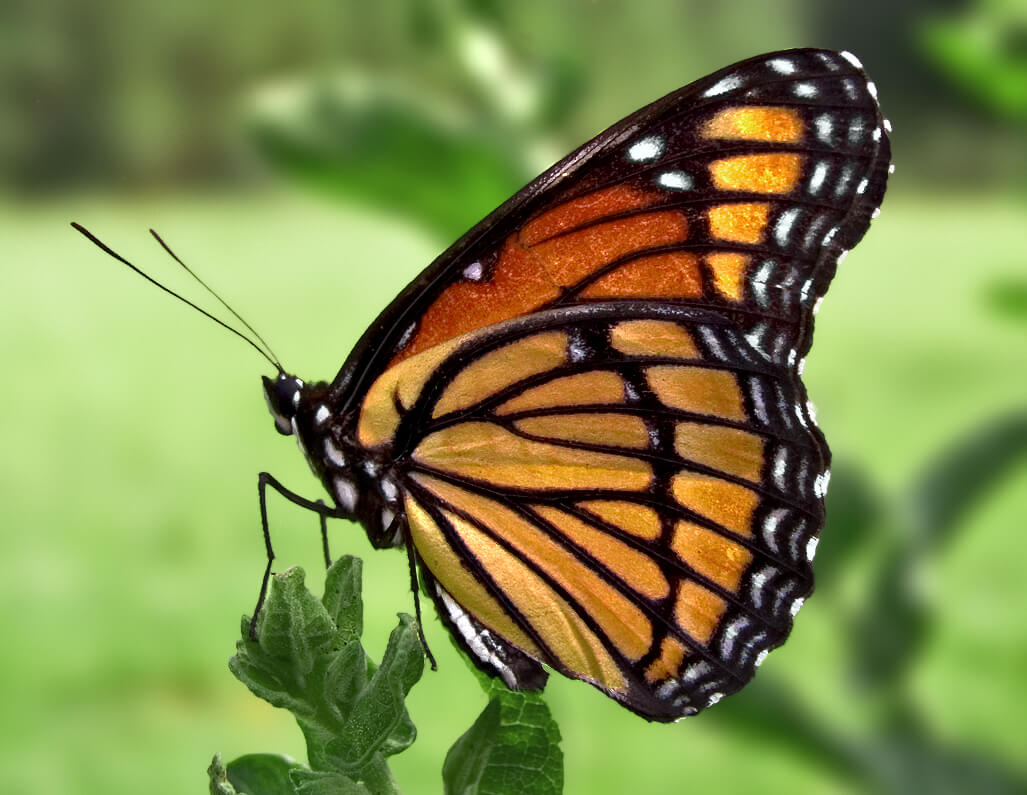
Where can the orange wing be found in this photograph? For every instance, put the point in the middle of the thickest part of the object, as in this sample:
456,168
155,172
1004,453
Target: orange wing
626,492
586,418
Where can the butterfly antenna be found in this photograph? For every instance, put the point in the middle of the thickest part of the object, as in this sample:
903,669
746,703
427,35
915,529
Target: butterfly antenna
110,252
220,300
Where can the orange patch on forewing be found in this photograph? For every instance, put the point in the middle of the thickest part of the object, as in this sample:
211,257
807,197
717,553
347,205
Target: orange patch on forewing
653,338
378,415
631,565
623,622
519,284
446,566
739,223
731,450
728,273
728,504
697,389
710,554
638,520
502,367
486,452
571,257
698,611
584,209
672,275
776,172
755,123
667,665
616,430
594,387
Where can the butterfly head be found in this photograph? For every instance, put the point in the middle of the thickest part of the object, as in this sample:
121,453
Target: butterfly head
283,399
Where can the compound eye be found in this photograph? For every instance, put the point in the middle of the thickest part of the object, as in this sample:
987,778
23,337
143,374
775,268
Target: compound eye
282,396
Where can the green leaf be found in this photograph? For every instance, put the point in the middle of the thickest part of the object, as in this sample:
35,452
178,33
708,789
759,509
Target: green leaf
897,619
308,659
313,782
377,711
219,783
512,747
342,597
962,476
262,774
406,150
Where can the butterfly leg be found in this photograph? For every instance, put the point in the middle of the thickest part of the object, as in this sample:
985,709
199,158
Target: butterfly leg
265,479
412,562
324,534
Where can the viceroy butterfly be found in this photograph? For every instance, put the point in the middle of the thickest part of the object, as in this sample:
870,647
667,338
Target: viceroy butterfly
585,420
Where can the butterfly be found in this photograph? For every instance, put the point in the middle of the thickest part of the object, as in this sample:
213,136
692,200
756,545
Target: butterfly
585,420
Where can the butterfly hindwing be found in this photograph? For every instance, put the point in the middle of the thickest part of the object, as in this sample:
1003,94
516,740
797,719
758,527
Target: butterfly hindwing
625,492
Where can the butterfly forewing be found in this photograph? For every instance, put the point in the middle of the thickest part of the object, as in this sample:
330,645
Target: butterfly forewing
739,192
586,417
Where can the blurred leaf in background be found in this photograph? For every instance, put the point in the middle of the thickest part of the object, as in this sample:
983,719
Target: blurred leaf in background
983,50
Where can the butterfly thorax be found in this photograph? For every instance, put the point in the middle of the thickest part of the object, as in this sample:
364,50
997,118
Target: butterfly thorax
359,480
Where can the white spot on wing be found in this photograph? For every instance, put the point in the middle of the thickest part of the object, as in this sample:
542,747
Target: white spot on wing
796,606
648,148
783,227
675,180
761,657
856,128
722,86
872,89
848,56
758,402
805,290
805,90
816,180
824,126
770,526
861,188
811,548
474,272
782,66
714,344
887,125
759,282
334,454
345,493
780,466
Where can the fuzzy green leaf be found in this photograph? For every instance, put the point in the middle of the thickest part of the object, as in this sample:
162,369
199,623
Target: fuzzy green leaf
315,782
308,659
262,774
342,597
513,746
219,783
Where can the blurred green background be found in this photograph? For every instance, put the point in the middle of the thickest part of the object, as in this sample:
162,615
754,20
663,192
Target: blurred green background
309,159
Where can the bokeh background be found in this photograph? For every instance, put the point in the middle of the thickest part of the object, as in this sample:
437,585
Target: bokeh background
309,159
